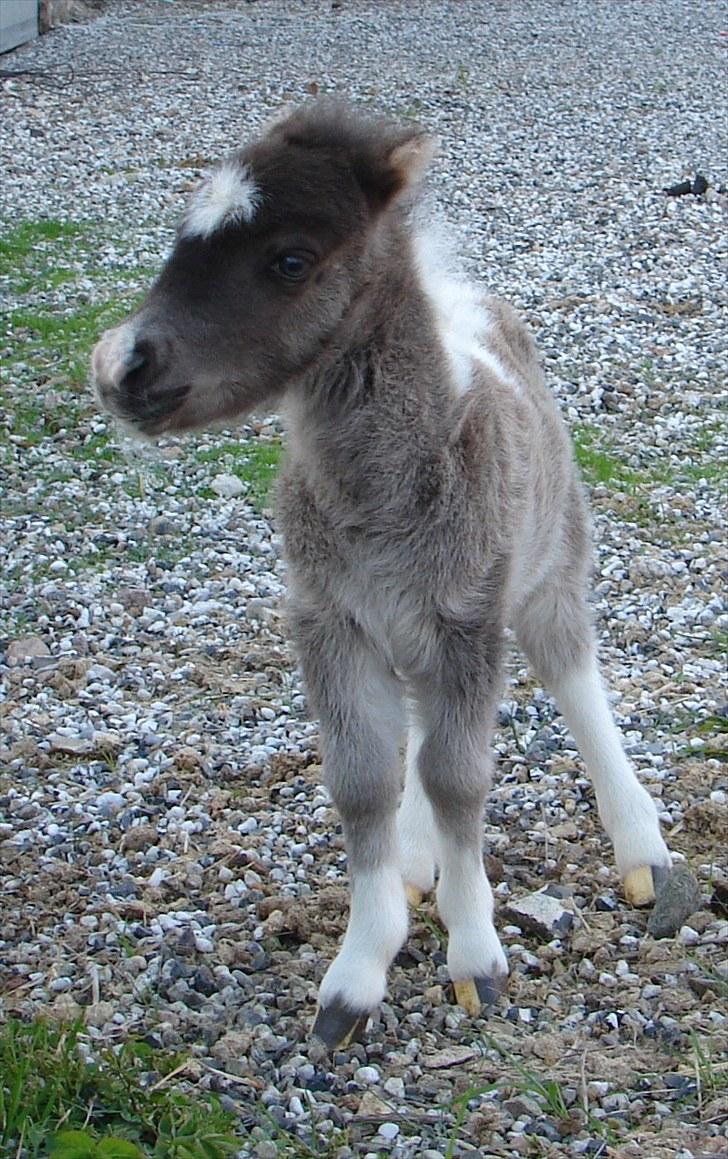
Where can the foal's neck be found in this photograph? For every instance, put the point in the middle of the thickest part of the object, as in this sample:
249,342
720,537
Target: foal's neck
384,365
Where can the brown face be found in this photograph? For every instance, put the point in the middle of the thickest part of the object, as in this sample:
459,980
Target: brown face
267,261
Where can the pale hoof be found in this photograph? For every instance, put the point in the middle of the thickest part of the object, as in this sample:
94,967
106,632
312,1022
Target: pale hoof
475,993
338,1026
414,895
641,885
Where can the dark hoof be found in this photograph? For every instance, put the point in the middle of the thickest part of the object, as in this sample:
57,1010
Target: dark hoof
338,1026
474,993
642,885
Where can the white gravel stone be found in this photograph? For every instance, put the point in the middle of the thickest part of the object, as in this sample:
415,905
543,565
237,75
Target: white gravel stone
388,1131
367,1075
227,486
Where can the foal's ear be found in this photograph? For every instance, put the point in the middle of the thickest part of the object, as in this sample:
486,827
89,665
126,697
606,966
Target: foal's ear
397,168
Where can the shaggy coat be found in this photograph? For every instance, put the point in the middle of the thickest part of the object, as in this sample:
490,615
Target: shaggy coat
429,499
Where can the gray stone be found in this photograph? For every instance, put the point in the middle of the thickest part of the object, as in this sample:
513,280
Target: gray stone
109,804
162,526
70,745
25,648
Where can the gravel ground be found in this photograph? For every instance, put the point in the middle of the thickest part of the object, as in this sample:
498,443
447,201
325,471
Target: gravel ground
171,866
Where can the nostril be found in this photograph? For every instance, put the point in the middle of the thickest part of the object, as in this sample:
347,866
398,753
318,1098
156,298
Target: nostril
141,368
136,360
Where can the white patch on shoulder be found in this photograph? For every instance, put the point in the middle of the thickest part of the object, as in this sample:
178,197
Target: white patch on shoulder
229,194
463,322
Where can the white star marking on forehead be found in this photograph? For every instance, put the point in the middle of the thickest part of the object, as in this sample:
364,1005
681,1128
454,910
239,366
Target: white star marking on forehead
229,194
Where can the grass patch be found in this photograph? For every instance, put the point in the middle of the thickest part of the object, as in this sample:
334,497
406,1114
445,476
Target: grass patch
48,347
460,1106
48,1090
254,462
19,244
435,929
46,370
550,1094
711,1072
30,421
713,727
62,342
46,363
599,463
631,489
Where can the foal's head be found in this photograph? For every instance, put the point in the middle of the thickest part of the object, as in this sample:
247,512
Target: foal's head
272,250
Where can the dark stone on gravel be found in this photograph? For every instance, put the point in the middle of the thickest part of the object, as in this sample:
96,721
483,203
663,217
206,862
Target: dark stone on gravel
544,1128
700,184
186,944
678,898
124,889
204,981
261,961
174,970
697,187
190,998
668,1032
321,1081
679,189
682,1084
605,904
555,889
162,526
719,900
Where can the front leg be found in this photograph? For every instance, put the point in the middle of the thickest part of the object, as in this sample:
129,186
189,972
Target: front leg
360,705
454,767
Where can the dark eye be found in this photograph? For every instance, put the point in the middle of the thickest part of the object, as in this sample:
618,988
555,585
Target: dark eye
293,267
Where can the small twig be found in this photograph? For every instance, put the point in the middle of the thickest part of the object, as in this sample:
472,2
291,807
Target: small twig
166,1078
544,818
584,1091
242,1080
93,971
578,914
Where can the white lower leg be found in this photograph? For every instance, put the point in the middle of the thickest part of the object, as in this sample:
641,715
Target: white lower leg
465,903
627,810
416,830
377,928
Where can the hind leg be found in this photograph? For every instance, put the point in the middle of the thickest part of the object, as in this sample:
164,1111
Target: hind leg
556,633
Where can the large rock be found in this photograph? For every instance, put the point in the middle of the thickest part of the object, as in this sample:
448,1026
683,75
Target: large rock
678,898
25,648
